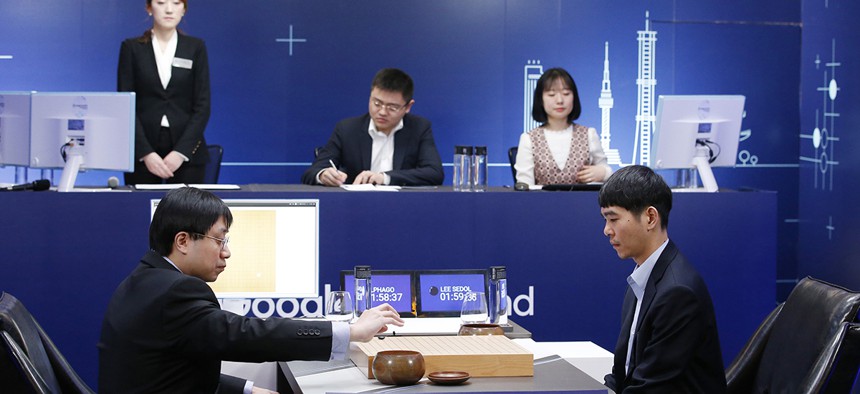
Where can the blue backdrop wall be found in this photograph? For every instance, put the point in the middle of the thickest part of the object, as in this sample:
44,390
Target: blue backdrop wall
829,165
284,72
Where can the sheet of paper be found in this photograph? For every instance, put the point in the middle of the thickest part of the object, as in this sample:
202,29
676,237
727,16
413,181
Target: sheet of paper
370,188
159,186
419,187
426,326
98,189
215,186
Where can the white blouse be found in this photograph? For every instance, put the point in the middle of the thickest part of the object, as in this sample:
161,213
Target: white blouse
164,63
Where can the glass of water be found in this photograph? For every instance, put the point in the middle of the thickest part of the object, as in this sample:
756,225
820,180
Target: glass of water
474,308
339,306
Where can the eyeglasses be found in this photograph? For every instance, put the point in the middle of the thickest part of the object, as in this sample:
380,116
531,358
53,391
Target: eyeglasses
222,242
390,107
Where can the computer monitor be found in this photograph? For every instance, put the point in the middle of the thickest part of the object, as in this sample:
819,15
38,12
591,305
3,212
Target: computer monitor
274,249
82,131
697,132
393,287
441,292
15,129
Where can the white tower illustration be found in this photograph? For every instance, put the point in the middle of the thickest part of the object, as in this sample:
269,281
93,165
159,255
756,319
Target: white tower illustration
606,102
645,83
531,73
824,135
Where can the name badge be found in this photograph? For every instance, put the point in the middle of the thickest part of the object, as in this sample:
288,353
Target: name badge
182,63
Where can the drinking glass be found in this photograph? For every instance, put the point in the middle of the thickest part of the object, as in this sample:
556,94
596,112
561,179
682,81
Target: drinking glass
474,308
339,306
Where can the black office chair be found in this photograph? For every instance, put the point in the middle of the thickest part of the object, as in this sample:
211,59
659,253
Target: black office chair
838,366
808,344
213,166
29,361
512,158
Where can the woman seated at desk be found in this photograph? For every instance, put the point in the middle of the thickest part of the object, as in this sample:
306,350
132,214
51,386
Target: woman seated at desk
559,151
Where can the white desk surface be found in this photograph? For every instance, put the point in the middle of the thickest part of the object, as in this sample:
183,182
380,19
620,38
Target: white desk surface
587,356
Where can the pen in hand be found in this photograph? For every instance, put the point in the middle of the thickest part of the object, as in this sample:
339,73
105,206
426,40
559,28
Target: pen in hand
338,176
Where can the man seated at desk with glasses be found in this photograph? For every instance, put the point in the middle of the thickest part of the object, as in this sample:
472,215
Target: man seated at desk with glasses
386,146
164,332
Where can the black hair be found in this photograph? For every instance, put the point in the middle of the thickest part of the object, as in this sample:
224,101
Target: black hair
635,188
149,2
545,82
394,80
186,209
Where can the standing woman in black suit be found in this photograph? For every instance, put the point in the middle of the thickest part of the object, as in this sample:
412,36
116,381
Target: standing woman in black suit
169,71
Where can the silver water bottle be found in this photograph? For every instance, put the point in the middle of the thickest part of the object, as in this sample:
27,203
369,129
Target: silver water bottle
498,295
479,169
362,289
462,168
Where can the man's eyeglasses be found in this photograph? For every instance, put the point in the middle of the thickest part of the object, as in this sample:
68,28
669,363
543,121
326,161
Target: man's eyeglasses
390,107
222,242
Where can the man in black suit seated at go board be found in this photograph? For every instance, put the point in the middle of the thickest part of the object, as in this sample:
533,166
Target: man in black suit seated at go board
164,332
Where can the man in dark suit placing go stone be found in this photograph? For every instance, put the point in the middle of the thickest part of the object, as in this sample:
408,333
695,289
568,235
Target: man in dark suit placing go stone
164,332
668,341
386,146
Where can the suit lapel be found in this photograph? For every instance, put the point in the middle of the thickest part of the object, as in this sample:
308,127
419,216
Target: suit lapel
627,319
366,144
656,275
184,51
401,141
627,310
148,56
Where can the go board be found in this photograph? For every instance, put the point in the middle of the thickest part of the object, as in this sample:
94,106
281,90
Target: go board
487,355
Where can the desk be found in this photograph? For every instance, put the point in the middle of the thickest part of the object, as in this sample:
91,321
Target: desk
263,374
65,253
558,365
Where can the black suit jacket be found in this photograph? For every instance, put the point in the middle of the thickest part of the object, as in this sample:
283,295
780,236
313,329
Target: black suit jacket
163,332
185,101
676,348
416,160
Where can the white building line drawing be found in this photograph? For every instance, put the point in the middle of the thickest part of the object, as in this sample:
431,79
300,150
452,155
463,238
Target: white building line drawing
746,158
645,83
6,57
824,137
291,40
531,73
606,102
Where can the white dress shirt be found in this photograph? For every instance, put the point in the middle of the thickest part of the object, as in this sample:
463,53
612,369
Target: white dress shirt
382,151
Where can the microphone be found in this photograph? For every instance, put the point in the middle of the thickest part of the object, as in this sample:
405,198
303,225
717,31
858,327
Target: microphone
41,184
113,182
